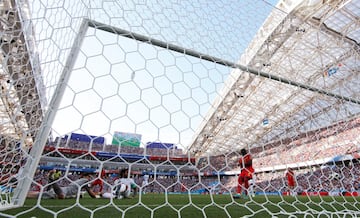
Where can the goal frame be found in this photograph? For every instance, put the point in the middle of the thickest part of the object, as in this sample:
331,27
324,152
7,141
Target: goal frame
35,154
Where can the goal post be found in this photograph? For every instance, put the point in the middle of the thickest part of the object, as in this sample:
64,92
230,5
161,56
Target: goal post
44,131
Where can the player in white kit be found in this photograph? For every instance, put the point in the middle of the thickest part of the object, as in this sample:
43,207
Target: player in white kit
124,185
144,183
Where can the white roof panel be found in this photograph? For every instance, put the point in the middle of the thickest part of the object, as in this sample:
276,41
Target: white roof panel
312,45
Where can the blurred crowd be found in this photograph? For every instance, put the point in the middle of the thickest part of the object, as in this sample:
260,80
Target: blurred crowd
208,173
307,180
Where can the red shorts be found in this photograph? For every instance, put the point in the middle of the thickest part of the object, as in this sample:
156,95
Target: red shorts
98,182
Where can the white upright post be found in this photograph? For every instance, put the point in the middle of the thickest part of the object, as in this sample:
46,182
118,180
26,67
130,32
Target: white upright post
42,136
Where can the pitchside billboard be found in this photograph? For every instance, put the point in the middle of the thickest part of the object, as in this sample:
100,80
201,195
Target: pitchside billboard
126,139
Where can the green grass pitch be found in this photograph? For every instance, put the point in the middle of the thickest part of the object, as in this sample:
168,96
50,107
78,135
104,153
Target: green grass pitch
183,205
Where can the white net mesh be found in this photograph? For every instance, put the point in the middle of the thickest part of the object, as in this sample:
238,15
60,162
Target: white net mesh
146,106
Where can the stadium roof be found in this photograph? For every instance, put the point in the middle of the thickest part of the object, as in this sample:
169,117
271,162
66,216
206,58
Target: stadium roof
285,91
306,56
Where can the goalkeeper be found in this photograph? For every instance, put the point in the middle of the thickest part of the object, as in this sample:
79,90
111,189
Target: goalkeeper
53,175
70,191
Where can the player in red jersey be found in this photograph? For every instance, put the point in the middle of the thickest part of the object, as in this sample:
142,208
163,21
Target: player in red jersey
99,181
247,170
290,175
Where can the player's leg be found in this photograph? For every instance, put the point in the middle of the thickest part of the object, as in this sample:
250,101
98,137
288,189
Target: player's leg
45,195
246,184
122,191
127,192
143,187
239,186
251,191
240,183
50,180
50,195
292,188
58,191
134,189
101,187
33,194
118,192
100,183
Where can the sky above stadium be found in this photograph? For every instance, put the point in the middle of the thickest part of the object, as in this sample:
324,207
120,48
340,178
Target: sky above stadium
120,84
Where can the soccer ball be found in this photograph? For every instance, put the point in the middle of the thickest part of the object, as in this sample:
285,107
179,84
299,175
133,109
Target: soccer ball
107,195
122,188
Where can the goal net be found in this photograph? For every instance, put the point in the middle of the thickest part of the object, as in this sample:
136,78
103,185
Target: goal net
179,108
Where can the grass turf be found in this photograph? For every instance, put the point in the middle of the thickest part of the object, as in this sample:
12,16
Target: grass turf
183,205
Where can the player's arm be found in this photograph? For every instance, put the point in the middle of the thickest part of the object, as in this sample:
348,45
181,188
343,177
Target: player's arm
240,162
33,194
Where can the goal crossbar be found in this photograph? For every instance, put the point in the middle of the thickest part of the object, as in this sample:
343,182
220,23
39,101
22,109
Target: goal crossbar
193,53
